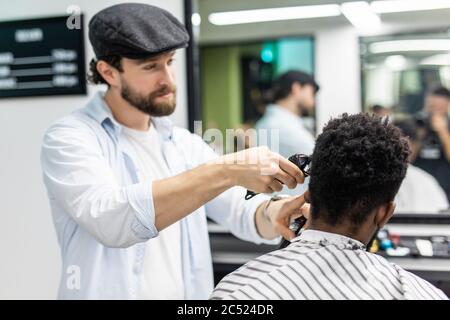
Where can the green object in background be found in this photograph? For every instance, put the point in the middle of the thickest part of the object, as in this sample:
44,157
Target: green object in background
221,87
289,54
268,52
294,54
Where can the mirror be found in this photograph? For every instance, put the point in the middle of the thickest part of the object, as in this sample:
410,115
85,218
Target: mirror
398,70
237,64
236,78
399,74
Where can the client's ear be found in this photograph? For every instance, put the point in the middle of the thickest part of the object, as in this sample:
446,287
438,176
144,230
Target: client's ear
384,213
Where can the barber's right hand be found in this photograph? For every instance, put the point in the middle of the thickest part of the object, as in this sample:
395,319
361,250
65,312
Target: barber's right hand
261,170
439,123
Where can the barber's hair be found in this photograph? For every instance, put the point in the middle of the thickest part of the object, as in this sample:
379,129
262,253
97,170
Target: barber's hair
358,164
441,91
282,86
94,76
377,108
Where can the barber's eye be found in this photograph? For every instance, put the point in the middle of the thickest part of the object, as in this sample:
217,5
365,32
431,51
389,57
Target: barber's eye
149,67
171,61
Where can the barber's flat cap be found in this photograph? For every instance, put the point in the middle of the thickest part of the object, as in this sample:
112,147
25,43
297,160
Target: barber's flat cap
134,30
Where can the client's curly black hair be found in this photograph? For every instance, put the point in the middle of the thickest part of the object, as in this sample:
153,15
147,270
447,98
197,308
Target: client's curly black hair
358,163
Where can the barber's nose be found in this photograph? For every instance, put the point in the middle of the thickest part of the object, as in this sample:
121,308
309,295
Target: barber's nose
167,77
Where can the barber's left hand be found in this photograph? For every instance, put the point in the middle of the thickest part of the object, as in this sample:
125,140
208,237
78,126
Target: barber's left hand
283,212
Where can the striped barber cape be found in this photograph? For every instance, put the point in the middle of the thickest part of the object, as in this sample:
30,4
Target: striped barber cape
322,265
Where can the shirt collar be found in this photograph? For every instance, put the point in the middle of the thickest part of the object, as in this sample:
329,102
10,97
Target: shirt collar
99,111
326,238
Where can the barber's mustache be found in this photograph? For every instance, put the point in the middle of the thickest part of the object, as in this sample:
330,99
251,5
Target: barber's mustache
166,89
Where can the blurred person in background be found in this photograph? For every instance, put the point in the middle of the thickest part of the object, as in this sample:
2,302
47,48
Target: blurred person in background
420,192
294,97
380,111
431,150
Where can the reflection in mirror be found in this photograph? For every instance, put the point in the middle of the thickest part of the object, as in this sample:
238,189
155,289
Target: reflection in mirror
407,76
239,62
236,79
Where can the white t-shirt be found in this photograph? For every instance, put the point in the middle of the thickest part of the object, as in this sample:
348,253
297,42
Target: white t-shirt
420,193
161,276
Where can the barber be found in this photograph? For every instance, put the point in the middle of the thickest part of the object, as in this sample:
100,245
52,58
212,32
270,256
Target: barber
130,193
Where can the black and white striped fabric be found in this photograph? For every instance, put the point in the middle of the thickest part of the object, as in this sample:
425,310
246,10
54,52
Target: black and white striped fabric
321,265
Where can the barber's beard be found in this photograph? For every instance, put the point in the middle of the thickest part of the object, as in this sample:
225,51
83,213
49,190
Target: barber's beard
304,111
147,104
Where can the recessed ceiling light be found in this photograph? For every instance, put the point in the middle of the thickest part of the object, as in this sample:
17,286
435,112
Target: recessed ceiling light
274,14
410,45
390,6
361,16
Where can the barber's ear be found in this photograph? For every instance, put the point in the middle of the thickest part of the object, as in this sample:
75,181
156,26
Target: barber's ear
384,213
109,73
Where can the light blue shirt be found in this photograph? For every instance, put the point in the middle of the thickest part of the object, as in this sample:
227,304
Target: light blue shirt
103,214
293,137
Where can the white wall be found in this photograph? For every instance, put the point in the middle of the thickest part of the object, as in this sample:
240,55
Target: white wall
338,73
30,261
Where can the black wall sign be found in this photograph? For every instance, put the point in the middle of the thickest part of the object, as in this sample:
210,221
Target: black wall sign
41,57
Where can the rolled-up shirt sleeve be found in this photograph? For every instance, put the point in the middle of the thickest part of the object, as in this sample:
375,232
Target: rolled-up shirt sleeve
82,182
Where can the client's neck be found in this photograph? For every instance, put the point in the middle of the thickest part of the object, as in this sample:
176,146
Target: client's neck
361,233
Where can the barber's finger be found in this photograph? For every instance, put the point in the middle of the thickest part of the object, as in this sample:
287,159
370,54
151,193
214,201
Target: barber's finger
305,210
291,169
276,186
286,179
284,230
296,203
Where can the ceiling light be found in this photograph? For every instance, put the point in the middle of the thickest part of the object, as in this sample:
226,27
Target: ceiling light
395,62
274,14
442,59
390,6
196,19
361,15
410,45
